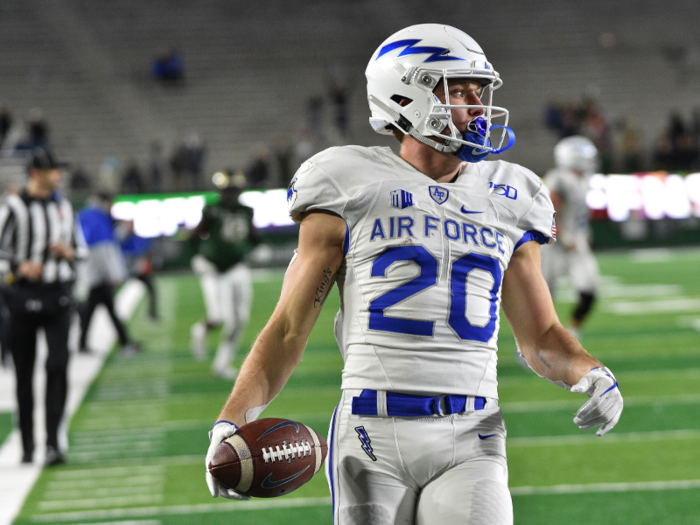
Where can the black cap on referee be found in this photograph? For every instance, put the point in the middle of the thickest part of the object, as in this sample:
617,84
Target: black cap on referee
43,159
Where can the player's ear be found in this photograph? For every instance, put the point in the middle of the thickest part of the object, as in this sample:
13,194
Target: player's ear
401,101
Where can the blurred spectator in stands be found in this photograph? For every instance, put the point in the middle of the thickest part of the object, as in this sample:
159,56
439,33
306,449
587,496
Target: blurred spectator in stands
79,181
586,118
596,127
168,67
561,118
695,126
304,147
132,180
678,149
686,153
37,132
38,129
663,154
676,128
258,171
631,150
339,98
5,122
195,159
137,251
178,163
187,163
695,135
283,154
314,115
156,167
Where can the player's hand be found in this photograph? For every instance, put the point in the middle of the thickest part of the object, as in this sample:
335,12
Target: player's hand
605,404
62,250
222,430
31,270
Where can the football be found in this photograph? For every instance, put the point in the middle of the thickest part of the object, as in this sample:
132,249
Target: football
268,458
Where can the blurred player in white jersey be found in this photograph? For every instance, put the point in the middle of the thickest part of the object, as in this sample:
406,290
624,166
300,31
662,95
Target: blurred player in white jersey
576,159
425,248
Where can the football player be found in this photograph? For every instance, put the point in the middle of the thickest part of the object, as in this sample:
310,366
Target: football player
425,247
576,159
225,236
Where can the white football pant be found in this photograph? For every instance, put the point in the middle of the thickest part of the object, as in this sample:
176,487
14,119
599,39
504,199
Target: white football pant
425,471
580,264
227,297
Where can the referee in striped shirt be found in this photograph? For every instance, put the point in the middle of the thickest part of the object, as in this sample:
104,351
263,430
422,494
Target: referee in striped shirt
38,242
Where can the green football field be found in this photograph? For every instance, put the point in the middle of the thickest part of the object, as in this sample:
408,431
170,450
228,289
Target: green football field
138,440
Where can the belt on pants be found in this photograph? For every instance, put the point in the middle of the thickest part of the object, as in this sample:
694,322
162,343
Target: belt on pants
382,403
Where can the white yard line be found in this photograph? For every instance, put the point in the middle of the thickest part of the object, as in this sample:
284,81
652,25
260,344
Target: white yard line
91,503
121,522
575,403
102,492
607,487
689,322
670,373
108,472
205,508
620,437
89,483
16,481
652,255
658,306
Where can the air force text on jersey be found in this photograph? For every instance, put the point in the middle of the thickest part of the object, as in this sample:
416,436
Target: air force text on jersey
391,228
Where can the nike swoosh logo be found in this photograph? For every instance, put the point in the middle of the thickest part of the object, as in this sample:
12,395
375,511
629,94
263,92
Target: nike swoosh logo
487,436
269,484
464,210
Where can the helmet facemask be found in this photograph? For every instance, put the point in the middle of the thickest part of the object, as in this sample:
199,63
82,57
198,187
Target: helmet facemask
478,135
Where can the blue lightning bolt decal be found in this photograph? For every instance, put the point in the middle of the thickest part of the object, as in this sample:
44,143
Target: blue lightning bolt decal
436,53
364,439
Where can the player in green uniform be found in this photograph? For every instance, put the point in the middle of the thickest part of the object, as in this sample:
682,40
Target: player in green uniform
225,236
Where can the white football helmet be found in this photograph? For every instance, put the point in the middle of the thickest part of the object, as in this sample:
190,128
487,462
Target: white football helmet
410,64
576,153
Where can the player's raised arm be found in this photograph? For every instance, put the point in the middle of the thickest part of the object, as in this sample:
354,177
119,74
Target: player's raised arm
549,348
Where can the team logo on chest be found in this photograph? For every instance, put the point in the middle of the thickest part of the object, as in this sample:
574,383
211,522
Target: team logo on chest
439,194
401,199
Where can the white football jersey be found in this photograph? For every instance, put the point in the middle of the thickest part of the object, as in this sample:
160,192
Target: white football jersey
420,287
574,217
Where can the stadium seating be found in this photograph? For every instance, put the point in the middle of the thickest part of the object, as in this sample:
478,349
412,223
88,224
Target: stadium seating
249,68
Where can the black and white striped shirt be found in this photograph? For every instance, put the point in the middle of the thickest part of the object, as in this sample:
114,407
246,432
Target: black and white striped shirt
28,226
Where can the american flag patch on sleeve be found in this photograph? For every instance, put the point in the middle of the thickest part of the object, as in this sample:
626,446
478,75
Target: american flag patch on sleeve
554,225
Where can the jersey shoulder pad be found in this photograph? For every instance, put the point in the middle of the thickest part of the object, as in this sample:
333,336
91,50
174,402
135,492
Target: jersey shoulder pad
328,180
526,196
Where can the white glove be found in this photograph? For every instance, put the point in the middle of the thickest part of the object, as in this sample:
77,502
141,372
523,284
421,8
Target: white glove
605,404
222,430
